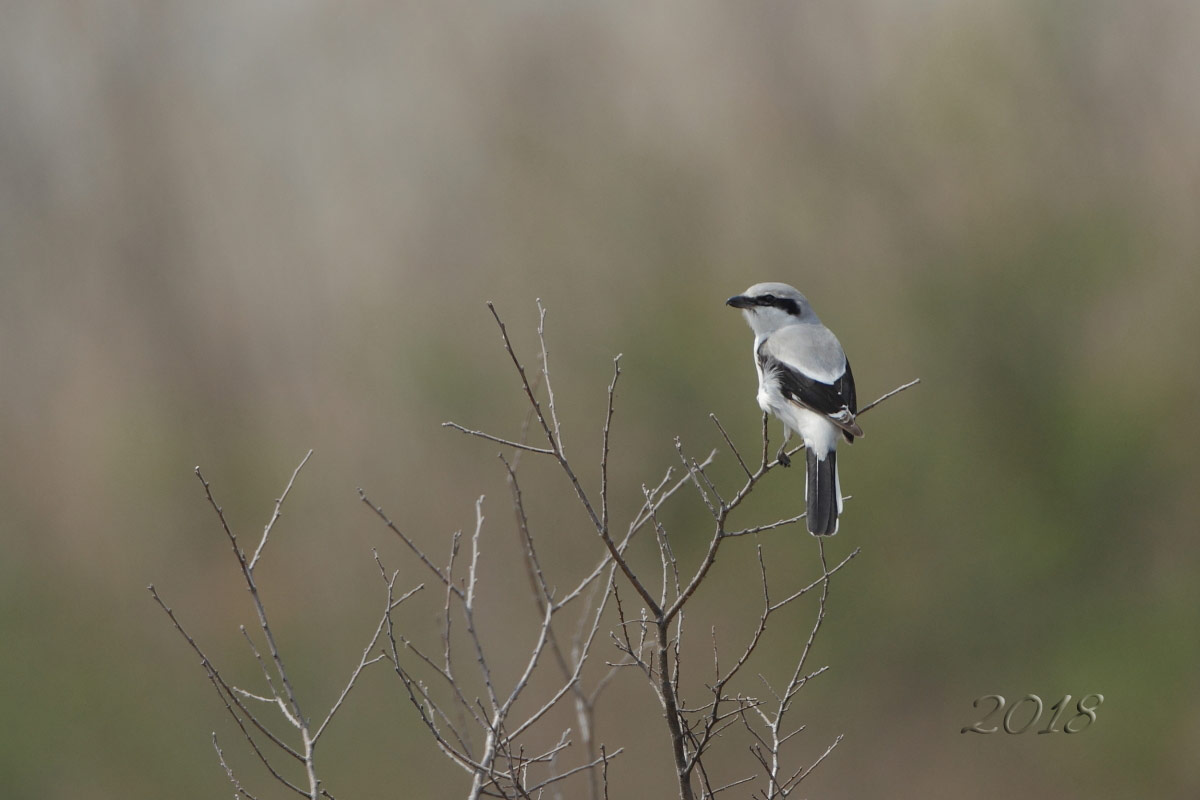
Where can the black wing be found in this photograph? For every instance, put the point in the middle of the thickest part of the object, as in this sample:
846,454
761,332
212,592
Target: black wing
835,400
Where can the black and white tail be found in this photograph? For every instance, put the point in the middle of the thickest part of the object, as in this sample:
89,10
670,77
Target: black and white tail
822,494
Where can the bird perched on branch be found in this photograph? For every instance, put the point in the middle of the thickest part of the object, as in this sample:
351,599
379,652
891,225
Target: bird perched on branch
804,379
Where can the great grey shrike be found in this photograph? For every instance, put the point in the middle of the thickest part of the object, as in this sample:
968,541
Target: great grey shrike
804,379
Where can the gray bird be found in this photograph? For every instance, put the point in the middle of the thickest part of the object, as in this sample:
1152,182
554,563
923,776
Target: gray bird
804,379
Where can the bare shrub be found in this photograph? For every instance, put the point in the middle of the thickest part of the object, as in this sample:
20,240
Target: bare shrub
492,730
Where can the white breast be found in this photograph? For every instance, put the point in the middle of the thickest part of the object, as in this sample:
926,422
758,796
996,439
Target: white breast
819,434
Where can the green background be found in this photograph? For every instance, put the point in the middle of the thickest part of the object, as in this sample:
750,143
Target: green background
232,231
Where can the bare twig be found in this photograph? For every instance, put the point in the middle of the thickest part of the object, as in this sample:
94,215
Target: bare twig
295,715
892,393
280,692
498,439
278,510
237,787
366,661
732,446
500,767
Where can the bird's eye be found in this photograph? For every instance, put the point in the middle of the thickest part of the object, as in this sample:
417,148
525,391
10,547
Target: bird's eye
768,298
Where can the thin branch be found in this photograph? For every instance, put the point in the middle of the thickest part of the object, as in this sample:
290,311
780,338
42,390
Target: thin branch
580,659
418,696
223,688
738,782
892,393
278,511
498,439
732,446
643,516
276,658
237,787
552,433
768,527
541,331
820,580
408,541
364,661
529,394
604,438
262,664
604,759
469,611
765,446
805,773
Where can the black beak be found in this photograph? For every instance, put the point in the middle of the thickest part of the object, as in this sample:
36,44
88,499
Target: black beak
739,301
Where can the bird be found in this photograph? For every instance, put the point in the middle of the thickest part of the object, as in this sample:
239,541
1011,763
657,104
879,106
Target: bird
804,380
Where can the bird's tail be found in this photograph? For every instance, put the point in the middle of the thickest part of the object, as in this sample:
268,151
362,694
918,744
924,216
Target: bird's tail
822,493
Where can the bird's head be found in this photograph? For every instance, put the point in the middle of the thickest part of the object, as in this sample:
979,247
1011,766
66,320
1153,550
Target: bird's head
770,306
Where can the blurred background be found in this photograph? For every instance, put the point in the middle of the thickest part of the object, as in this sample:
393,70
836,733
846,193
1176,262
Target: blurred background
231,232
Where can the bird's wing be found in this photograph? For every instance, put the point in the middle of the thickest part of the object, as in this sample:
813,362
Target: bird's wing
813,373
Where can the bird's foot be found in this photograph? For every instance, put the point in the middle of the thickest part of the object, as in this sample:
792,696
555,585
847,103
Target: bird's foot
783,458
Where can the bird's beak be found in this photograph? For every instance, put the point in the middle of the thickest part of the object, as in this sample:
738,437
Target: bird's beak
739,301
